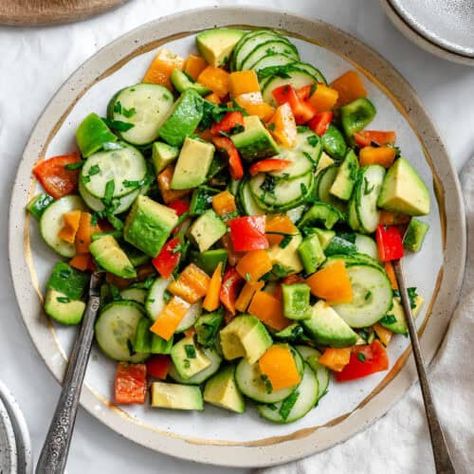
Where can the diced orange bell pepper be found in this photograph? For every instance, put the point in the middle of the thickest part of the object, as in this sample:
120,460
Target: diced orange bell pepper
253,265
70,226
283,126
324,98
215,79
350,87
194,65
279,365
278,224
332,283
169,318
391,275
383,334
191,285
162,66
243,82
84,233
382,155
393,218
269,310
164,185
213,97
224,203
246,295
211,301
82,262
336,359
253,104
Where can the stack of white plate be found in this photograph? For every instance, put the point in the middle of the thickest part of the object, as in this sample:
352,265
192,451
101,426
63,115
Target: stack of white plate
442,27
15,445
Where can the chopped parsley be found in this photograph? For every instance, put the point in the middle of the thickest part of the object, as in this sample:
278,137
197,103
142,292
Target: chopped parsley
74,166
63,299
266,383
268,185
93,170
287,404
367,295
388,319
248,276
285,241
190,351
313,140
167,296
361,357
118,125
367,188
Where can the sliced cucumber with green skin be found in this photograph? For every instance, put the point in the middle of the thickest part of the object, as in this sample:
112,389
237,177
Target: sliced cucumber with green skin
298,403
366,245
371,295
311,357
250,382
145,107
51,223
296,213
294,77
155,302
134,294
247,201
122,166
285,194
352,217
367,192
313,71
323,185
272,60
115,330
276,46
202,376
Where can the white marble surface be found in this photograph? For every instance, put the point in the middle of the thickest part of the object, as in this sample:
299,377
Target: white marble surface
33,64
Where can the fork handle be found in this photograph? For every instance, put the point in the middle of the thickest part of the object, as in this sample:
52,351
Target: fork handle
442,456
53,456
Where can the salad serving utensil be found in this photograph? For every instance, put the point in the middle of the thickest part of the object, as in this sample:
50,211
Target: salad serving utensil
55,450
442,456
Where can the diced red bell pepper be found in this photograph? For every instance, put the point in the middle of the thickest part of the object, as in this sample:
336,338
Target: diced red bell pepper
302,110
224,144
320,123
168,258
232,283
365,360
271,164
230,122
367,137
130,383
180,206
304,92
55,178
158,366
248,233
389,243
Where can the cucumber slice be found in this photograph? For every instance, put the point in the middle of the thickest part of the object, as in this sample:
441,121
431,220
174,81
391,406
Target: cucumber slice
352,217
122,166
115,330
367,246
367,192
250,382
295,77
318,75
311,357
202,376
275,46
297,404
51,223
283,194
273,60
247,201
371,295
134,294
323,185
145,107
296,213
155,302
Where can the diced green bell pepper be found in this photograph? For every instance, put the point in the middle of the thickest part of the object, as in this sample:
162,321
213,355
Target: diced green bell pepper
296,301
38,204
357,115
92,134
311,254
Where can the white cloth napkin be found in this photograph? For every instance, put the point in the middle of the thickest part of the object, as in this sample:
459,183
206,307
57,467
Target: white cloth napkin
399,442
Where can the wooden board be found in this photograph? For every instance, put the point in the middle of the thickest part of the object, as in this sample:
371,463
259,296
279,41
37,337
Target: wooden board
46,12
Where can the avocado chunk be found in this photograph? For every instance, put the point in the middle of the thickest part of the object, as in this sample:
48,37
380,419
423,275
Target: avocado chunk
62,309
321,213
108,254
176,396
221,390
216,45
325,236
346,177
357,115
287,259
193,164
148,225
245,336
415,235
163,155
183,119
404,191
334,143
395,318
188,358
326,327
255,141
325,161
207,230
296,301
311,254
181,82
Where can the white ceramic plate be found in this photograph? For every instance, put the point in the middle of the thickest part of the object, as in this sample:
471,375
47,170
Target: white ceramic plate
216,436
8,454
